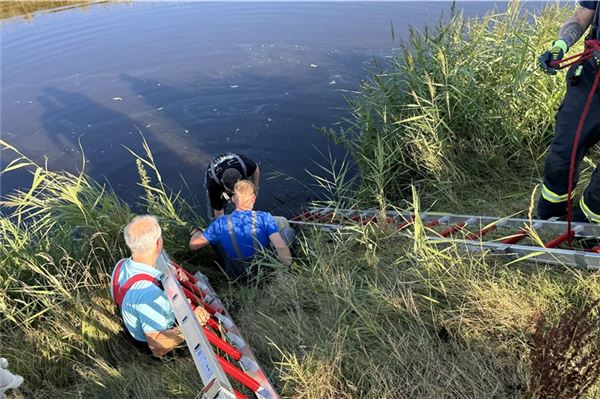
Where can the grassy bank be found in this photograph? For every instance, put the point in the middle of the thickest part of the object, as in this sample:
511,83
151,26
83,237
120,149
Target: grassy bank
369,312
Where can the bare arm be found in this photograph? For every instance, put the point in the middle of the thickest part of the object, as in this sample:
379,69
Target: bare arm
574,27
255,177
198,241
163,342
218,214
283,252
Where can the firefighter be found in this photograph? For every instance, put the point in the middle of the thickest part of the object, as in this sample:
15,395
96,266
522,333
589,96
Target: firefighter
580,77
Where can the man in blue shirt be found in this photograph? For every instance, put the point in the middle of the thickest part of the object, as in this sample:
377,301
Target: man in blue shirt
237,237
580,78
145,309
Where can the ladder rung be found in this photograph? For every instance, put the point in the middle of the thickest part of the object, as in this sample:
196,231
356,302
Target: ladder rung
221,344
481,232
405,224
214,325
452,229
369,220
196,299
324,217
239,395
515,238
567,235
433,223
300,217
595,249
312,216
238,374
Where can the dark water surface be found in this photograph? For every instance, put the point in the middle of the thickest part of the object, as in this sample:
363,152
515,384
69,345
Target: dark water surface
197,79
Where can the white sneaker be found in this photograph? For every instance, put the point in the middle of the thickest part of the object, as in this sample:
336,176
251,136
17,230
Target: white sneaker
9,381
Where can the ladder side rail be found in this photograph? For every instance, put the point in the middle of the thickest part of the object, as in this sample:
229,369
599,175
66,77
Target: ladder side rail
585,230
216,383
554,256
250,366
323,226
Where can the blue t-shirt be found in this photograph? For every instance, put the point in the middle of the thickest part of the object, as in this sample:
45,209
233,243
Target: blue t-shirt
591,5
218,232
145,307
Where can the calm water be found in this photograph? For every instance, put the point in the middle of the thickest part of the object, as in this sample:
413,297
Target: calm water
197,79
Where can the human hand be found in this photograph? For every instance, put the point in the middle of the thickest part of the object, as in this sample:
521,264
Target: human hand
181,275
202,315
548,61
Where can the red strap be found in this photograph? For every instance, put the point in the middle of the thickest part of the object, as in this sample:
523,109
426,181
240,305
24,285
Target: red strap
119,291
115,278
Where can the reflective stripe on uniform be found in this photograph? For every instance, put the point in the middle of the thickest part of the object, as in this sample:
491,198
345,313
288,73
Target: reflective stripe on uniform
591,216
551,196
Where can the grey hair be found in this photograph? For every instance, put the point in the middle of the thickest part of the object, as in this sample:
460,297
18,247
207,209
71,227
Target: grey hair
141,240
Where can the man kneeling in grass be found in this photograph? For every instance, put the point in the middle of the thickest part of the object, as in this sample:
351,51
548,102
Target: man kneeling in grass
145,309
236,237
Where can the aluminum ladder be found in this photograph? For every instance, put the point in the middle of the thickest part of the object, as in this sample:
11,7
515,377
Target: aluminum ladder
220,332
469,232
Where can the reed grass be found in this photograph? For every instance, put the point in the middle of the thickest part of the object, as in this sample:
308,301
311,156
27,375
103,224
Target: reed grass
462,111
365,312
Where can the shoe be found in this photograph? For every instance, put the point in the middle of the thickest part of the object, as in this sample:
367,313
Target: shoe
9,381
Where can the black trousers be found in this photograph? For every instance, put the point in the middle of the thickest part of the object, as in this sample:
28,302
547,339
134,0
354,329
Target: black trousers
556,170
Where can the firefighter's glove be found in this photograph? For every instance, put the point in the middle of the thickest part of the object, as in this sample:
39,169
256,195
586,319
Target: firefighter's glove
554,55
596,56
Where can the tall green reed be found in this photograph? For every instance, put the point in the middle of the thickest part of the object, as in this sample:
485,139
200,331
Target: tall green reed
460,105
59,240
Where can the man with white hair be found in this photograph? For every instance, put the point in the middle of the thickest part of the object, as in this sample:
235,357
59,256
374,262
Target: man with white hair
237,236
145,309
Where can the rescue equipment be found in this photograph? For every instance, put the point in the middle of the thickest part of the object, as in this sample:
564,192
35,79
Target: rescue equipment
469,231
220,332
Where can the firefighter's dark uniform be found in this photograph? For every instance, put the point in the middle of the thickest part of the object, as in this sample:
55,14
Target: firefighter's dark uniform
553,201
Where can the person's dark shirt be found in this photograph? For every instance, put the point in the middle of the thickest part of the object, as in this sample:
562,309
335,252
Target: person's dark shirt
221,163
